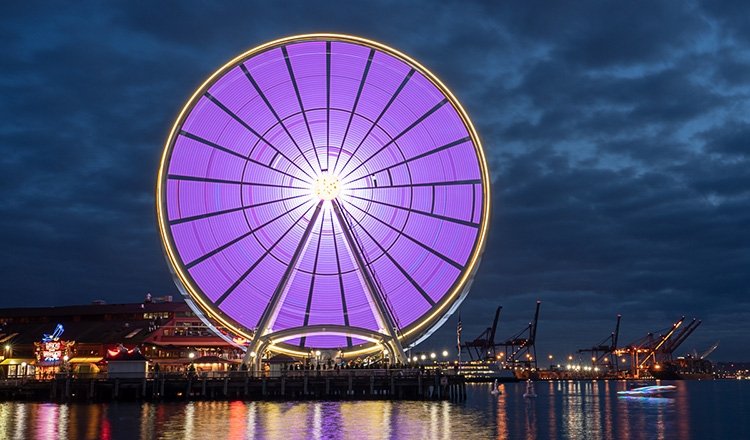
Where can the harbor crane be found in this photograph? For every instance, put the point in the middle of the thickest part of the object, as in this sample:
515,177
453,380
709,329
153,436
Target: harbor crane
521,348
651,351
604,354
483,347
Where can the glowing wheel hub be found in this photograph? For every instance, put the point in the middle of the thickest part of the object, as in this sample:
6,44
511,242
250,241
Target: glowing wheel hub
326,187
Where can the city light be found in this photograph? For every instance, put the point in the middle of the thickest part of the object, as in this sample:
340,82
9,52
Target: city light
445,353
191,355
433,355
423,357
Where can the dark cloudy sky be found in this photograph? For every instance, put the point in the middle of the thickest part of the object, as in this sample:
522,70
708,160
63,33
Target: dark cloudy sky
617,134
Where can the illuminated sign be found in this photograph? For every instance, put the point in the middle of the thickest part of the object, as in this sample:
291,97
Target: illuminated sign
55,334
240,341
121,350
52,348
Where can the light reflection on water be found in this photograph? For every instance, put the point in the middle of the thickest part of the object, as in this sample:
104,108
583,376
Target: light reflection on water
578,410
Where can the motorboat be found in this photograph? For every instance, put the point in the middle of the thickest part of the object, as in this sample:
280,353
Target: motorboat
649,391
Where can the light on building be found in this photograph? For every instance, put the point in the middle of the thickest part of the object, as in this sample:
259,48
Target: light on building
317,353
191,355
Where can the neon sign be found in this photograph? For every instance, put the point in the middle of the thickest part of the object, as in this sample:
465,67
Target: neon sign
52,348
240,341
121,349
55,334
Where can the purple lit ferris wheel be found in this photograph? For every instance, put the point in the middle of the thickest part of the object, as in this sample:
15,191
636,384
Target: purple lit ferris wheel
323,192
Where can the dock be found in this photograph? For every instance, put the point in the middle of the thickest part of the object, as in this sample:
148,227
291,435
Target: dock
298,385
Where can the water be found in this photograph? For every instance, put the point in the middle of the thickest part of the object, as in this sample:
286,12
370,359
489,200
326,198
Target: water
575,410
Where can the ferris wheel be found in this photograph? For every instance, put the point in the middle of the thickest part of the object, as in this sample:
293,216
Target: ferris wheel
323,192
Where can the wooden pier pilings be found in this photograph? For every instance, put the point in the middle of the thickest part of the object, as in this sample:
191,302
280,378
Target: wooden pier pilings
299,385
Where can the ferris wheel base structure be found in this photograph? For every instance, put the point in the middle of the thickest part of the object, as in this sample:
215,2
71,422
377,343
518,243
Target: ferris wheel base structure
323,192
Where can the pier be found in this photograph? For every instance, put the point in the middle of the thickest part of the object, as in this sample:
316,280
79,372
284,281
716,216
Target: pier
388,384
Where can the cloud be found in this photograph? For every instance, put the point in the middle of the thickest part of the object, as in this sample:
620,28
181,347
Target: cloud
616,133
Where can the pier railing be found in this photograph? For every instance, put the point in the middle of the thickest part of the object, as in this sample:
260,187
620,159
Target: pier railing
291,373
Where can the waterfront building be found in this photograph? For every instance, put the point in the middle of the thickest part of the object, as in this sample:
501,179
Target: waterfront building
43,341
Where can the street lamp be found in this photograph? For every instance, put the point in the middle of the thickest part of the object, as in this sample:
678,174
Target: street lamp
445,353
433,355
423,357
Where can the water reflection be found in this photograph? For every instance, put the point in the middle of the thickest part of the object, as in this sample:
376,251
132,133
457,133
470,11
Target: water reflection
561,410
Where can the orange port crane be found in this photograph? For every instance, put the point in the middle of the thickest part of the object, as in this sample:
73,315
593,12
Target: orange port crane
651,351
